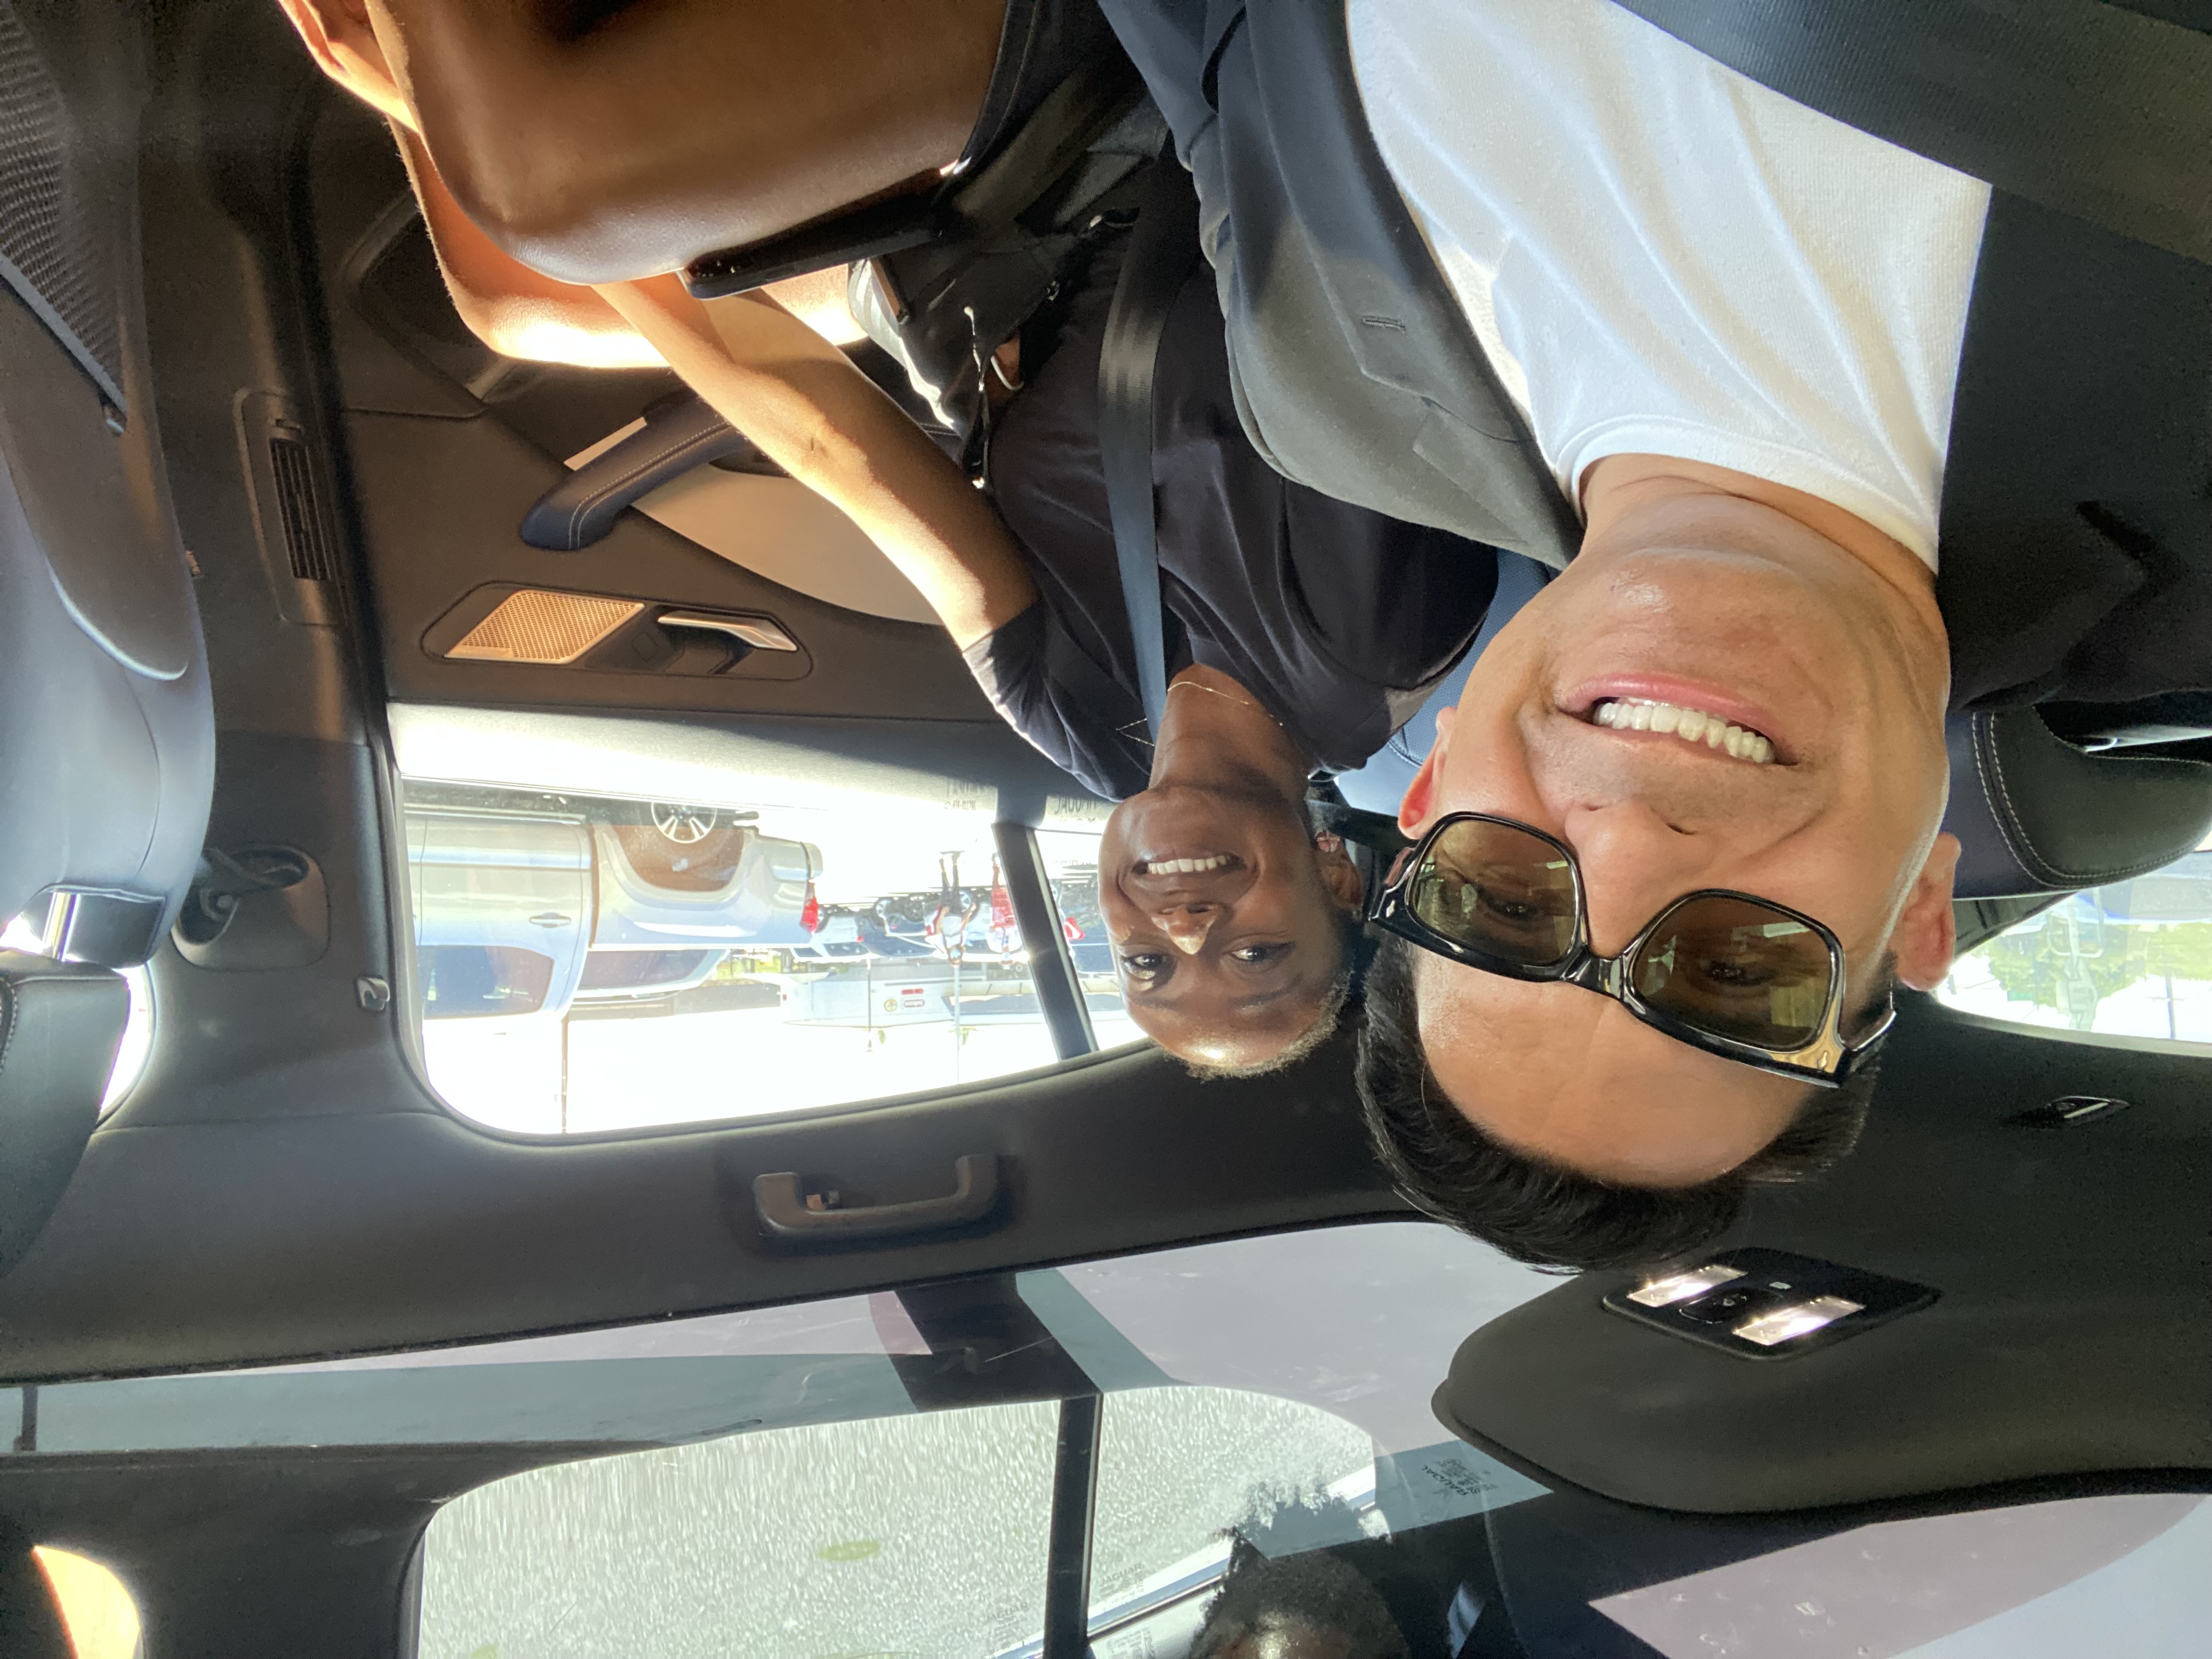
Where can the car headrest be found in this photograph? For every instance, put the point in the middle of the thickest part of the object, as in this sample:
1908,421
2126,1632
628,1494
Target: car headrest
2034,814
60,1024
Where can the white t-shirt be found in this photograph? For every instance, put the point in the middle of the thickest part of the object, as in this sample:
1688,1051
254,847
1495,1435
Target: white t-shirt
1661,257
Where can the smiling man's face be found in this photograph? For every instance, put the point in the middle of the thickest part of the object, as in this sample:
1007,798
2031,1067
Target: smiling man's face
1227,919
1831,674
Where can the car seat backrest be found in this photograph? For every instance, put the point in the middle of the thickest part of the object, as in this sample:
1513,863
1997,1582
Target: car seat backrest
106,730
2034,814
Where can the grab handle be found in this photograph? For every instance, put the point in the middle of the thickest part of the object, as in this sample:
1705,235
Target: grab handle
781,1200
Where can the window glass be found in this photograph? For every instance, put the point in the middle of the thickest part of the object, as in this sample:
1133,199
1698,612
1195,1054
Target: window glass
796,1480
1069,849
622,924
2131,959
919,1535
1183,1471
2034,1581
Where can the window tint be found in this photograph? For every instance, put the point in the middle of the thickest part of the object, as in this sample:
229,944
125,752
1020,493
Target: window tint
2131,959
623,924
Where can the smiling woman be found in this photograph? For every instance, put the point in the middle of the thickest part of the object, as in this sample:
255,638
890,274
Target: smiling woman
1230,917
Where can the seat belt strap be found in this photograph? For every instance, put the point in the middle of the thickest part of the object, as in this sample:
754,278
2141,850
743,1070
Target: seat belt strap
1161,253
2087,107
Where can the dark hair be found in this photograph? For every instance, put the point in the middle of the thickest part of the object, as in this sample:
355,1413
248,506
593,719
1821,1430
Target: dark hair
1539,1213
1260,1597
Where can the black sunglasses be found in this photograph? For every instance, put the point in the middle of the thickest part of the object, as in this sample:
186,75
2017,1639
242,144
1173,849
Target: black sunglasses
1732,974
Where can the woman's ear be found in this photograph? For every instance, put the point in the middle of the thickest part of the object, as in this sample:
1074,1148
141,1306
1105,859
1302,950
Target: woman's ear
339,37
1338,874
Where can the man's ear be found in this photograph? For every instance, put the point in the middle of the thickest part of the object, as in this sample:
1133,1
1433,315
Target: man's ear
1927,932
338,36
1419,804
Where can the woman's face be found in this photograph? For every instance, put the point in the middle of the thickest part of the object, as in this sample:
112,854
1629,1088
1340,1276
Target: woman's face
1227,919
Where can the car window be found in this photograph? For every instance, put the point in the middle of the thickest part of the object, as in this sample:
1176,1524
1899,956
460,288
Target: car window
1071,861
838,1477
790,1481
2130,959
922,1534
623,924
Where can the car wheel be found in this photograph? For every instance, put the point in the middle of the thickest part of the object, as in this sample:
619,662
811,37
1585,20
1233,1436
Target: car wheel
684,826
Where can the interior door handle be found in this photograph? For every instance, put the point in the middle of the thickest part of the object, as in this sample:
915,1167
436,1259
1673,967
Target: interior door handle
680,433
781,1200
756,631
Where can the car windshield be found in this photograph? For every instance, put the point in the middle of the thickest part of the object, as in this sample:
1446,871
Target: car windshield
1250,1430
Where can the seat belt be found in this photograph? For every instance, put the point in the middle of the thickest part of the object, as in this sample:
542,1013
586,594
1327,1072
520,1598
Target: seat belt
2092,109
1161,250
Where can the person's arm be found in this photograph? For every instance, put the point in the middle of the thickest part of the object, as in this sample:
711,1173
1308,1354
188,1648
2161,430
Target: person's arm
826,424
507,306
597,142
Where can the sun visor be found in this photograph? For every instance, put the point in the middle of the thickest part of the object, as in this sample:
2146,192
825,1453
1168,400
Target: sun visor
1961,1390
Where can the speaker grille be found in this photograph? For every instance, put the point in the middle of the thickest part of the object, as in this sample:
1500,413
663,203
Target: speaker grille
55,250
535,626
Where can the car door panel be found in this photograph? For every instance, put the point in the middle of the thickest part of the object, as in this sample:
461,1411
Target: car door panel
449,445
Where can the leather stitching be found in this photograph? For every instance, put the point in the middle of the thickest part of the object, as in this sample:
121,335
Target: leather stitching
644,467
1990,766
11,1005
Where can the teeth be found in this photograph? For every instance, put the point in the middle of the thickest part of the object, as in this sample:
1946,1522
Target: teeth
1186,866
1691,725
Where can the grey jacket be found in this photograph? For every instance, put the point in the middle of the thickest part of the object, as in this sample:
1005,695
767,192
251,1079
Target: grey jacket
2077,522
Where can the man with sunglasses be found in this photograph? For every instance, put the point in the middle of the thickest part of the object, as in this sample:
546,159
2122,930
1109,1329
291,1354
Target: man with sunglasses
1623,287
1673,850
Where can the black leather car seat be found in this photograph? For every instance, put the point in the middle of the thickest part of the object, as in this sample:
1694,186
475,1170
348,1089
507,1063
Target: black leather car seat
2036,814
106,730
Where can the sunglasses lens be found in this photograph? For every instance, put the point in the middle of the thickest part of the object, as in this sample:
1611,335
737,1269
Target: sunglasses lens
1500,890
1736,969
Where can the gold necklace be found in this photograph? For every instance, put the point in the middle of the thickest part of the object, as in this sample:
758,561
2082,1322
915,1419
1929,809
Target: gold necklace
1241,702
